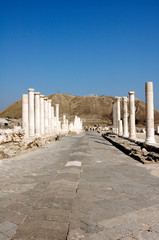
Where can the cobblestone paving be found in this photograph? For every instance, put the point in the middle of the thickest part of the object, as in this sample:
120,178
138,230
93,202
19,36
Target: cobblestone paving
78,188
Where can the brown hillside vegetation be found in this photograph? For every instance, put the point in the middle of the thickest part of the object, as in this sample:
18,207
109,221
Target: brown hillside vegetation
92,109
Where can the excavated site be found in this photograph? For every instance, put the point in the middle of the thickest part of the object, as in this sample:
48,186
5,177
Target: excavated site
137,149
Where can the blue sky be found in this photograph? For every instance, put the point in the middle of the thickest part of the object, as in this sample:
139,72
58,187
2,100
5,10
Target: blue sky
78,47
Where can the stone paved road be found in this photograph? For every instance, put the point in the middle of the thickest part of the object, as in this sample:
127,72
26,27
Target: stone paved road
79,188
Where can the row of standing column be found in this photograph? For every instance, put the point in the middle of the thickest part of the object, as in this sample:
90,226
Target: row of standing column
38,114
121,127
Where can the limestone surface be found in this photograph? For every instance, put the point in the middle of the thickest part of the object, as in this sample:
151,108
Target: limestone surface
107,196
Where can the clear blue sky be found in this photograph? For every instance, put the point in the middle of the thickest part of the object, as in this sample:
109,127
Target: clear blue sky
78,47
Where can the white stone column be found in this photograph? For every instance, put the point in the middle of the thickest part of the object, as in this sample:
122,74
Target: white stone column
25,113
132,130
118,110
42,114
49,115
55,126
46,115
114,116
57,112
67,124
64,119
31,111
149,113
37,113
120,128
57,118
125,117
52,119
64,124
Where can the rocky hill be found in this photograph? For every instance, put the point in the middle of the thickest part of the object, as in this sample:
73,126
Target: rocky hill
92,109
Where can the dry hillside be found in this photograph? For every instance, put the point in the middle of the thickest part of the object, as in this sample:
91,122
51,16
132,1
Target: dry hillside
93,110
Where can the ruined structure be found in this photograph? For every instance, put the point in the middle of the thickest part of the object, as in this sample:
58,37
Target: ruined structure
39,119
122,128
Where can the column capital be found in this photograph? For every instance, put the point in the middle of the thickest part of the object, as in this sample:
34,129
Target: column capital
117,98
37,93
46,98
49,100
131,93
42,96
125,98
30,90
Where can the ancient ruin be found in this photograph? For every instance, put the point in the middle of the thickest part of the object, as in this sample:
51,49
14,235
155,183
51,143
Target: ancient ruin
39,119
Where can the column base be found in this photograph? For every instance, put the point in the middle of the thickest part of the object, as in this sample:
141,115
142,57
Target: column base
37,135
150,141
126,135
115,130
132,137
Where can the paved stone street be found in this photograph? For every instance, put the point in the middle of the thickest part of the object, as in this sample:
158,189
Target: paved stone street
78,188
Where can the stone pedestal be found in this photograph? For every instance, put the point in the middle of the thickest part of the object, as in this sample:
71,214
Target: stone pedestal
132,130
37,113
42,114
149,113
46,115
31,111
125,118
25,113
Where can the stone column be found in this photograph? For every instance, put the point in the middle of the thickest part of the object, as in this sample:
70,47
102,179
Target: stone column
31,111
52,119
57,112
37,113
118,109
114,116
149,113
42,114
116,113
120,128
132,130
67,124
57,118
46,115
25,113
64,119
125,118
49,115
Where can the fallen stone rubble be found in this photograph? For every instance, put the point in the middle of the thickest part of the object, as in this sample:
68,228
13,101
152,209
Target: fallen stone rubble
12,142
11,149
11,135
137,150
